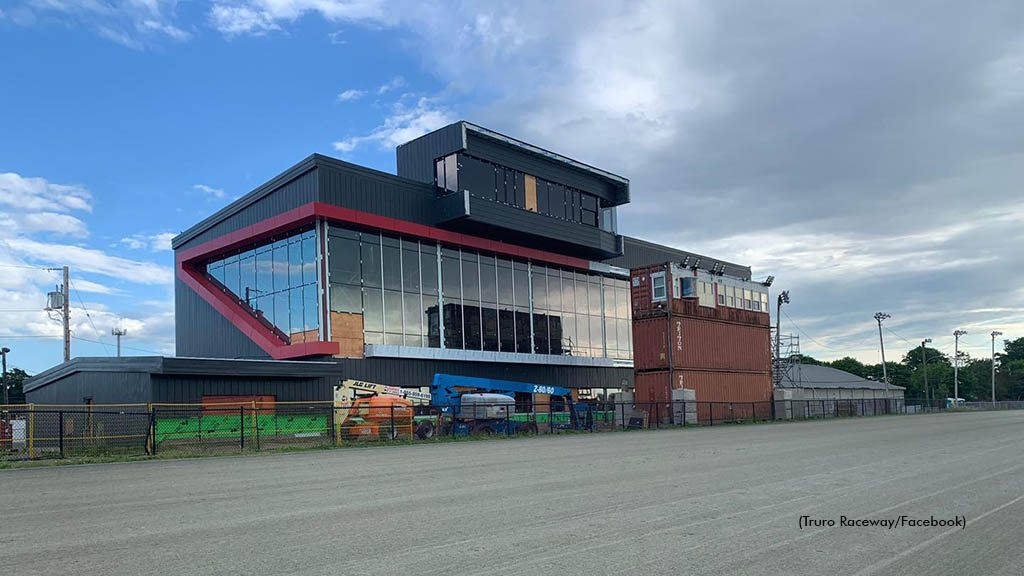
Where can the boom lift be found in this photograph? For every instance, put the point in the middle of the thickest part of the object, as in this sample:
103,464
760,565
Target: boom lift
487,406
368,411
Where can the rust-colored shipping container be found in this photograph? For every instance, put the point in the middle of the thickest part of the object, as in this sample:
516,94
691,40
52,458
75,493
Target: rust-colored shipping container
265,404
697,343
724,395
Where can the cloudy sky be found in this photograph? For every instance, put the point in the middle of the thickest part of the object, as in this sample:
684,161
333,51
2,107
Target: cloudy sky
870,155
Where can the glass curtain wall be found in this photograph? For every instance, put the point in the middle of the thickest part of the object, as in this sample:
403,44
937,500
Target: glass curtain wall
276,282
480,301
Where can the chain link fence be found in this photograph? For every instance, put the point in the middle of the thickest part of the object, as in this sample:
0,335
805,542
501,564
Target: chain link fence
29,432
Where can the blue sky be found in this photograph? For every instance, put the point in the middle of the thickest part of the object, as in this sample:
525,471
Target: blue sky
865,167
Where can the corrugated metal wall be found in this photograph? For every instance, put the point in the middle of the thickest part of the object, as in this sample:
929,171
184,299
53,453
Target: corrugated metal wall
200,331
708,386
103,387
415,159
191,389
295,193
723,346
357,188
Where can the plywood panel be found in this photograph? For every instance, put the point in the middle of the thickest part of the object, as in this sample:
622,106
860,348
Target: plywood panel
306,336
531,193
347,331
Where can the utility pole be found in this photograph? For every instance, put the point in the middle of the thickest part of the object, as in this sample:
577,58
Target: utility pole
994,334
3,354
956,364
885,372
118,332
67,316
777,373
924,366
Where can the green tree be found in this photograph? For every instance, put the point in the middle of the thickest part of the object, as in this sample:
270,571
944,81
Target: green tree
15,381
851,365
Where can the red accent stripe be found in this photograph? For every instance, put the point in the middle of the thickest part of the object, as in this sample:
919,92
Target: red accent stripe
189,259
250,326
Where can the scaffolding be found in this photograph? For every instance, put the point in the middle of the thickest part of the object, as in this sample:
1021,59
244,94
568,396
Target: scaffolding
787,356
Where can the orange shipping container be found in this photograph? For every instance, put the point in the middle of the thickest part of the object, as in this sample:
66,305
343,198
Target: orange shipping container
697,343
708,386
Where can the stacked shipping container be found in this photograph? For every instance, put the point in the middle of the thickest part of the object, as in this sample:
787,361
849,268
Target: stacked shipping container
681,340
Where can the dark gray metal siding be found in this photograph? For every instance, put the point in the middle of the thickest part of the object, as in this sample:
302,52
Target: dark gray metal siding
294,193
415,158
191,389
640,253
102,386
350,186
534,230
201,331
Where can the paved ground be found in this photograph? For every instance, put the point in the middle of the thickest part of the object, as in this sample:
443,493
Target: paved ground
724,500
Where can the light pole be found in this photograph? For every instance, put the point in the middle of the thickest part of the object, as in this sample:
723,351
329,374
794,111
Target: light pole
3,354
956,364
994,334
118,332
924,366
783,299
879,316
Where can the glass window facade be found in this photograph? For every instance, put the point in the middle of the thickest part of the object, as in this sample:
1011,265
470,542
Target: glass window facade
484,179
276,281
417,293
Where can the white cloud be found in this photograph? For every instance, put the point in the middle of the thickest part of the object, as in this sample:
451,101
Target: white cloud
34,211
233,18
37,194
404,124
394,83
135,24
154,242
217,193
350,95
91,260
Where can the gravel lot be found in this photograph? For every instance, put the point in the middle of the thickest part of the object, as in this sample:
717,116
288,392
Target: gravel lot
722,500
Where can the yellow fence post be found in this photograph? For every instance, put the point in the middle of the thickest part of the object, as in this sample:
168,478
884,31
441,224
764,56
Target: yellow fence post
151,437
31,430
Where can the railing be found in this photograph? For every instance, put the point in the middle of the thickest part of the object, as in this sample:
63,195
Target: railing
47,431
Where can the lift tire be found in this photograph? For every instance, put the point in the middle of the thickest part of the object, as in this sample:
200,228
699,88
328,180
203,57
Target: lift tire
425,430
484,430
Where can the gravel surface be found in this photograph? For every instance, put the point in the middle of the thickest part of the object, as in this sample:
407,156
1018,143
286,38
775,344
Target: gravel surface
722,500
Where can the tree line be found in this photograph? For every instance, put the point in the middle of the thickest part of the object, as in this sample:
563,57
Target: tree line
975,373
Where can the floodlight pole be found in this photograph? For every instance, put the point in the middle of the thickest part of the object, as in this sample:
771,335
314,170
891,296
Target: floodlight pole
118,332
994,334
783,299
3,354
956,364
67,316
885,372
924,366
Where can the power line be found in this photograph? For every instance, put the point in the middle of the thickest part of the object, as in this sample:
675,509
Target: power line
809,337
87,315
73,337
125,347
893,332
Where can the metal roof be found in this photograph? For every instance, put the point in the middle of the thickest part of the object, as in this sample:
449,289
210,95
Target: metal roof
184,366
814,376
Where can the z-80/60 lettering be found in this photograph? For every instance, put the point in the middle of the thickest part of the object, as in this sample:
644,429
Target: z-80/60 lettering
538,389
